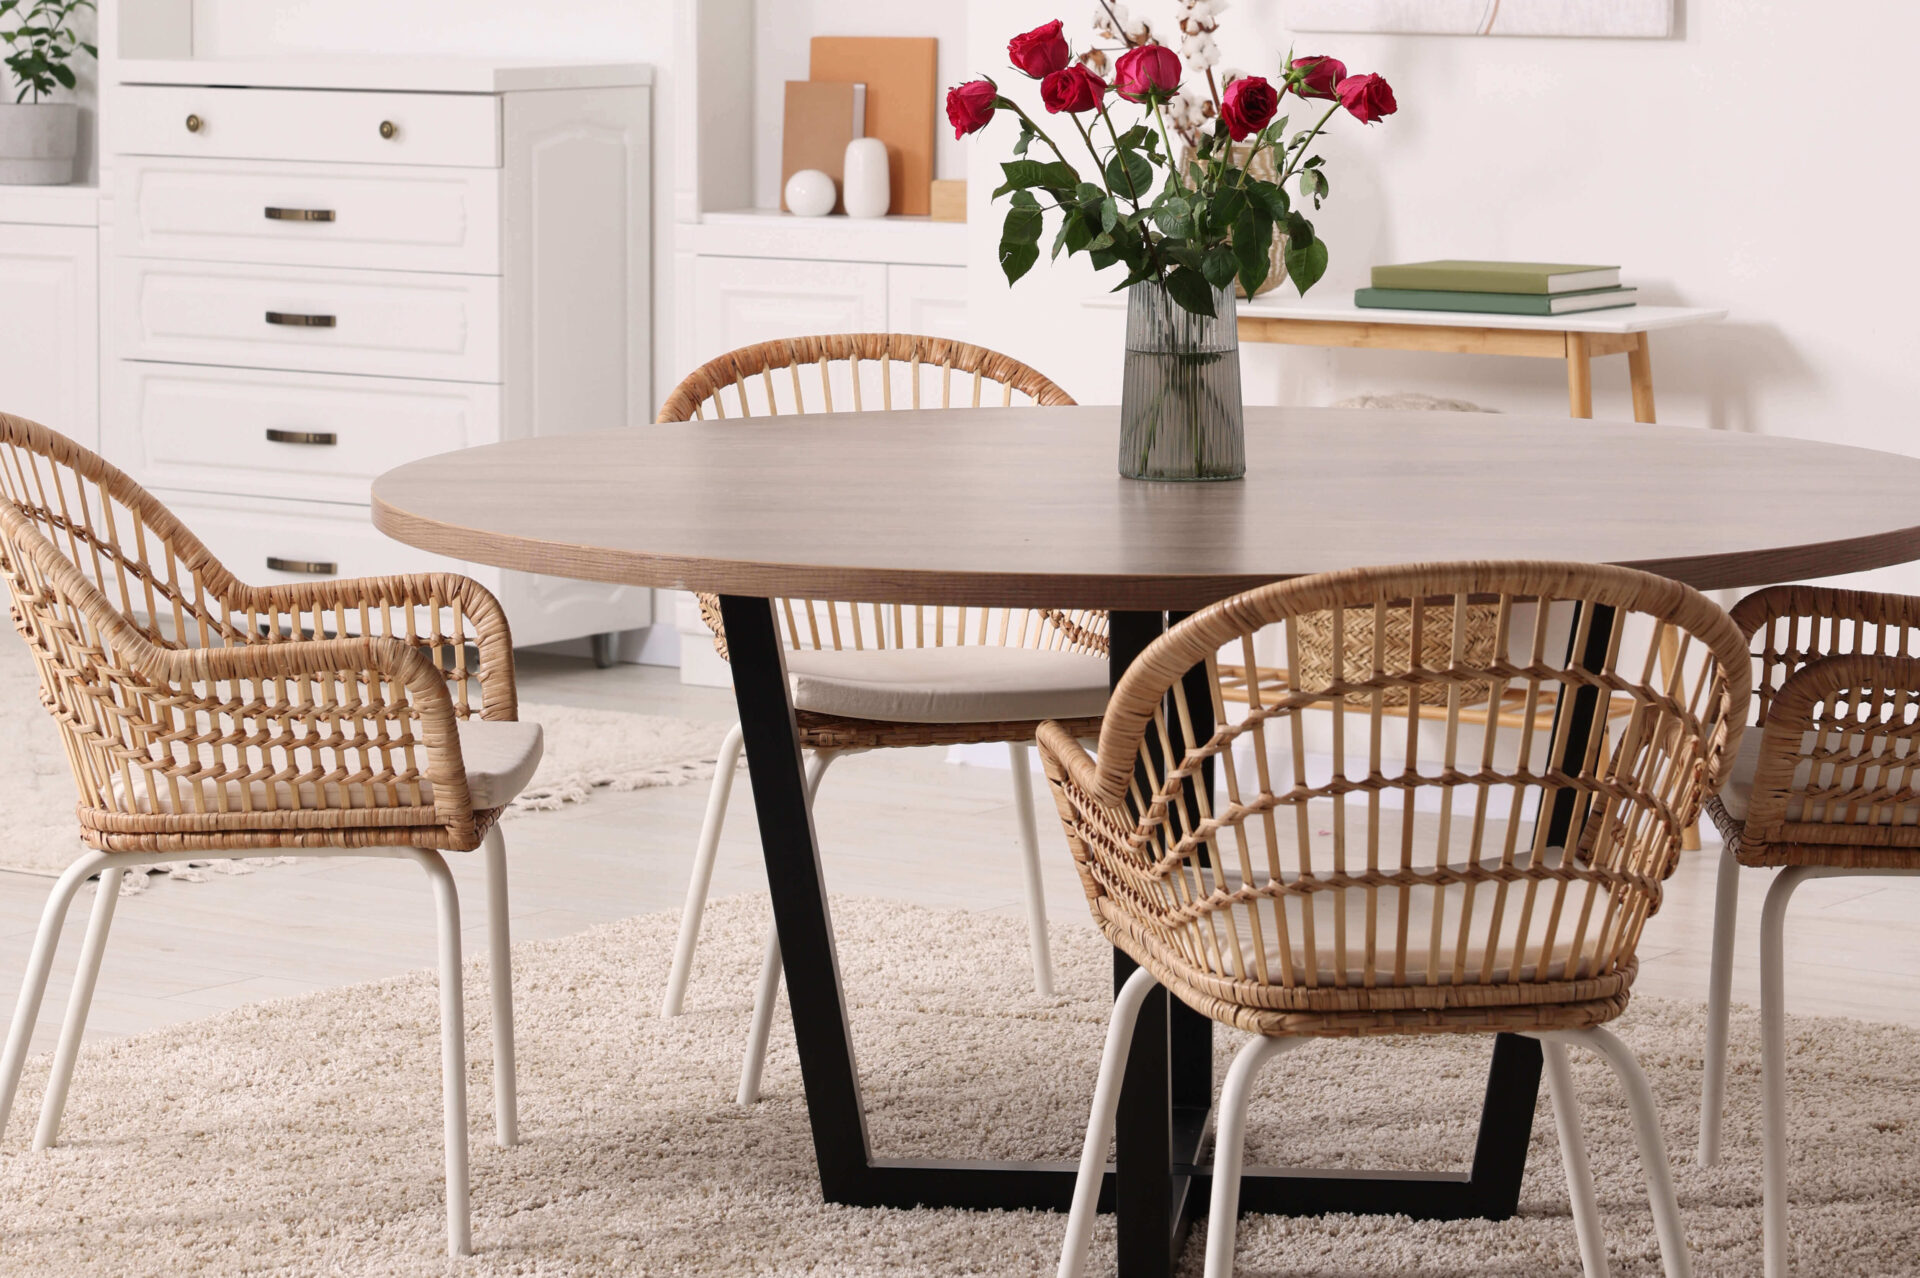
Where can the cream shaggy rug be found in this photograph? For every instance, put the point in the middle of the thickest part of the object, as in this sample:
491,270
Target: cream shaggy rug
302,1137
585,750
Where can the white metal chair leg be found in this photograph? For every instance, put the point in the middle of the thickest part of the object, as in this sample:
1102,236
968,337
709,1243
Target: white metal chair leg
701,879
33,984
1030,854
1773,1068
1573,1154
79,1003
1713,1081
1106,1103
506,1084
453,1049
1675,1260
767,991
1229,1148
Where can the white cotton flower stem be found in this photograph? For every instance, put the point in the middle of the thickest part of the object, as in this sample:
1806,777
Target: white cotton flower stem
1118,26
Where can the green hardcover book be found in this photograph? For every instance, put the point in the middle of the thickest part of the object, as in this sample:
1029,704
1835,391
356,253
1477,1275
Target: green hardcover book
1409,299
1497,277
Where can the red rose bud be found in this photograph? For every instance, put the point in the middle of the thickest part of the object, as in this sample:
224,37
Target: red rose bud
970,106
1367,97
1041,51
1247,106
1317,77
1073,90
1149,73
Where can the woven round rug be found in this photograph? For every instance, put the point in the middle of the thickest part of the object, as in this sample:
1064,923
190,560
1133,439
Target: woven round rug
302,1136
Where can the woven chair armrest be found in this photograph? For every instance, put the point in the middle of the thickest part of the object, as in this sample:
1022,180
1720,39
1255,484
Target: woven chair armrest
1795,713
1864,606
1060,748
491,637
343,662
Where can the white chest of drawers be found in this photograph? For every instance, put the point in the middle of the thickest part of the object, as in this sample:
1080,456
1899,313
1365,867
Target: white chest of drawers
319,271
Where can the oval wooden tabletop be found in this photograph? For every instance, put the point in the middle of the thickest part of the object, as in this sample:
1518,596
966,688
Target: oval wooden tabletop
1023,505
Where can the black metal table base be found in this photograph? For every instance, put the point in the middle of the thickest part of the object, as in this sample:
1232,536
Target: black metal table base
1161,1178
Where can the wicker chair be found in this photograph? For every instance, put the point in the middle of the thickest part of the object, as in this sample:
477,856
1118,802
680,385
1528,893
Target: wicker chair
871,676
1242,911
1827,786
207,718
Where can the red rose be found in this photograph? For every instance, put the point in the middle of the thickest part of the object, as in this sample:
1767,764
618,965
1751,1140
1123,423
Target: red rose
1041,51
1367,97
1318,77
1149,73
1247,106
1073,90
970,106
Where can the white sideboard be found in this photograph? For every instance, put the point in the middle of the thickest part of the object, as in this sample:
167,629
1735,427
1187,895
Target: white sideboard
318,270
50,327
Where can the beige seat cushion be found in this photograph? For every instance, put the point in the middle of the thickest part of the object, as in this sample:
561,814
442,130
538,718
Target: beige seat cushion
971,683
500,756
1736,796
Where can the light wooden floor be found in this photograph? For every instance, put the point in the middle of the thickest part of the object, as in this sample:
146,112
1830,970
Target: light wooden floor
181,951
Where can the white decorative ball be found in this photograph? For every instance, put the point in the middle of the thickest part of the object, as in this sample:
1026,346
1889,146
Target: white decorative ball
810,193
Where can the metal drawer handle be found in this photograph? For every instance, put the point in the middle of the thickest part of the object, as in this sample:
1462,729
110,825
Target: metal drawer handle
388,128
299,215
312,567
299,321
194,123
321,437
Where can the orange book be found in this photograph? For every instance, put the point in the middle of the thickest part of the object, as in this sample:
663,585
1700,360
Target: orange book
903,95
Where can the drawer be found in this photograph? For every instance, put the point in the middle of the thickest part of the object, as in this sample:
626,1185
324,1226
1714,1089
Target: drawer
305,124
384,323
267,543
352,215
313,436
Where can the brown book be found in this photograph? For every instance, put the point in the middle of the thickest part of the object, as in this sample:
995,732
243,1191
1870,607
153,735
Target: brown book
902,100
822,117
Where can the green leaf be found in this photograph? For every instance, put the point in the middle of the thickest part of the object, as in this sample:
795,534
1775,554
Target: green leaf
1023,226
1253,247
1101,241
1075,233
1306,265
1299,231
1101,259
1021,174
1017,259
1313,183
1109,216
1271,198
1227,205
1130,174
1218,266
1023,200
1136,137
1191,292
1174,219
1025,139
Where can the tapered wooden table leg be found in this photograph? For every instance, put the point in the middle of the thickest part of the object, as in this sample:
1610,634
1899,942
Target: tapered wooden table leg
1579,375
1640,373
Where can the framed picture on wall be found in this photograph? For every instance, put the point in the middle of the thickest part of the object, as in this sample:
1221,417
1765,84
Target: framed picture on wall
1648,18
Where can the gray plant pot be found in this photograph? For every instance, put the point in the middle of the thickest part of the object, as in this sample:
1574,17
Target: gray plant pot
38,141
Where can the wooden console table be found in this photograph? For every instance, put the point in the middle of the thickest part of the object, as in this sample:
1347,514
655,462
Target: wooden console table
1577,339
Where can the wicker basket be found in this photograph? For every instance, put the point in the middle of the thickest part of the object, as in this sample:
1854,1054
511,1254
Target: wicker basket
1313,633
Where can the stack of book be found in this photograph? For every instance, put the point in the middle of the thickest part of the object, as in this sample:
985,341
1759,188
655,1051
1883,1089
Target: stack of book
1495,288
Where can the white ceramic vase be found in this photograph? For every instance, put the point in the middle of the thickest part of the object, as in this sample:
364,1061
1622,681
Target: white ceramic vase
38,141
810,193
866,182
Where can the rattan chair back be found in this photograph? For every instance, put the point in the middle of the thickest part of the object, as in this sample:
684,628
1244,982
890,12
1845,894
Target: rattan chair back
862,372
1837,701
1386,889
200,712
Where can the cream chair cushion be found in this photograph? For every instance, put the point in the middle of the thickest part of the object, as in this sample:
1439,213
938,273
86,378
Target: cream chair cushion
500,756
1736,796
969,683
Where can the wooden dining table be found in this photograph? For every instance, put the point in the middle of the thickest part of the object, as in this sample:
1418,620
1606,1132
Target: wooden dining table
1023,507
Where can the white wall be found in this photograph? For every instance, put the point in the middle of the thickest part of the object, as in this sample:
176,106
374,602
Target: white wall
1759,161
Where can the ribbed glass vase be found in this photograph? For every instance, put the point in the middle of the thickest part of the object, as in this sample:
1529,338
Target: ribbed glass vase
1180,410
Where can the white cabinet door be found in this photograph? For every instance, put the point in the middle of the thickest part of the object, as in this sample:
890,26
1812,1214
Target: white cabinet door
50,327
738,301
929,300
